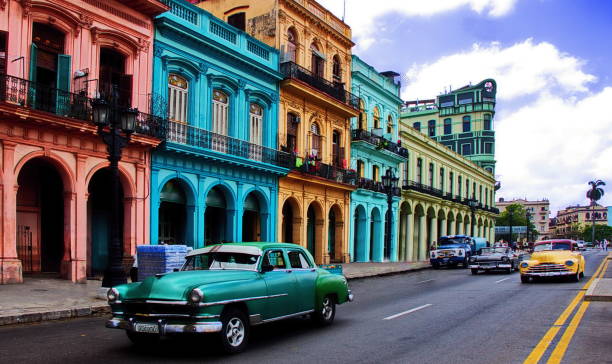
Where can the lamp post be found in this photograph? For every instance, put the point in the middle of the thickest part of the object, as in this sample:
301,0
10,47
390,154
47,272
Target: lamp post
510,217
115,125
528,216
472,203
390,184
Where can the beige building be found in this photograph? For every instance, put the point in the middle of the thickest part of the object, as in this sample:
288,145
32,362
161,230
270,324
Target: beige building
539,210
565,223
438,185
314,116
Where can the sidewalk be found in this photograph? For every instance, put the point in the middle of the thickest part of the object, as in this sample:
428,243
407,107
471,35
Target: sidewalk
601,288
44,299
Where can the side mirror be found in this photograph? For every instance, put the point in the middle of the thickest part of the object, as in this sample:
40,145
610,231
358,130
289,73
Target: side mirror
266,268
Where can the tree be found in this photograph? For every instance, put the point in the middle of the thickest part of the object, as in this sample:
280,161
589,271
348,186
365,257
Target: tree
516,215
602,231
594,194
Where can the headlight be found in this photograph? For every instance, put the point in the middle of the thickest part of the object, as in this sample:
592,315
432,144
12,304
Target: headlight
112,295
569,263
460,252
524,265
505,259
196,295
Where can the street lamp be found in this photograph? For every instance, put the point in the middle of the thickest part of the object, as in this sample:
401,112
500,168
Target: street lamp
390,184
528,216
472,203
115,126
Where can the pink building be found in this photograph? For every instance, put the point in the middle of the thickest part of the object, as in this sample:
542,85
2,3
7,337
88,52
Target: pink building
54,56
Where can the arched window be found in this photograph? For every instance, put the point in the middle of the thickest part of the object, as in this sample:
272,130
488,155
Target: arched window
315,140
431,128
292,45
363,117
317,61
487,122
390,125
337,70
467,123
255,127
448,126
178,92
376,118
220,112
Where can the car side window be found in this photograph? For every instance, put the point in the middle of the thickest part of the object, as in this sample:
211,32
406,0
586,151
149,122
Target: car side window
298,260
276,259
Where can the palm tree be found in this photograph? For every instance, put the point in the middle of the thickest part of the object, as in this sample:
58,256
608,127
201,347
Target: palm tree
594,194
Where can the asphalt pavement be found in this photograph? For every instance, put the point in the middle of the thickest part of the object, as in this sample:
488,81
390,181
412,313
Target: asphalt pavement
444,316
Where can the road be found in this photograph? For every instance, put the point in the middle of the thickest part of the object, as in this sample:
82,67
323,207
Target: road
445,316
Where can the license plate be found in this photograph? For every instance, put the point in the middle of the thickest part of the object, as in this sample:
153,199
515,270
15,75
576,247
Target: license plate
148,328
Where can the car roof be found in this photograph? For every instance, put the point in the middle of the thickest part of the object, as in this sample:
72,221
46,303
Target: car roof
254,248
555,241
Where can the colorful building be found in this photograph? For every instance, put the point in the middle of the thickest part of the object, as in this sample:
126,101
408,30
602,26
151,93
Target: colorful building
461,120
216,176
374,151
444,193
539,214
53,182
314,117
568,220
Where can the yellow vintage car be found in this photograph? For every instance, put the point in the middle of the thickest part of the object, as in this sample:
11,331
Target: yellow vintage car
553,258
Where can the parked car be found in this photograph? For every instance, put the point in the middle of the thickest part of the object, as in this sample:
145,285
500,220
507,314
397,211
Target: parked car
580,244
453,250
226,289
553,258
589,244
495,258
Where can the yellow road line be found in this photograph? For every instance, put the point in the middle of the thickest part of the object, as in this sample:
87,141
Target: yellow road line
559,352
537,352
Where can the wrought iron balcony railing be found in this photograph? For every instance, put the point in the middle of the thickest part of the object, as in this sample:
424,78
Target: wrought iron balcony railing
36,96
379,142
316,168
368,184
420,187
335,90
189,135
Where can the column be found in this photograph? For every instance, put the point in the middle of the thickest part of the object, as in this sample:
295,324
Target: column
434,231
155,202
443,226
409,237
422,238
10,265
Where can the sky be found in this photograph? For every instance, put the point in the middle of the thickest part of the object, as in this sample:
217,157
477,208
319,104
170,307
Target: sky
552,60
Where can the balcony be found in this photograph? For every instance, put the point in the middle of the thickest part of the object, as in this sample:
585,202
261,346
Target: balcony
378,141
77,107
291,70
200,138
332,173
371,185
420,187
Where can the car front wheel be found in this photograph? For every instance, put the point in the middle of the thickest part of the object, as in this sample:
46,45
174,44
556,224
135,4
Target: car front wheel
524,279
326,313
576,277
234,331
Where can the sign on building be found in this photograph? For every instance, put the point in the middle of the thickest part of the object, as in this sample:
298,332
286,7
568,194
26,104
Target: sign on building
515,230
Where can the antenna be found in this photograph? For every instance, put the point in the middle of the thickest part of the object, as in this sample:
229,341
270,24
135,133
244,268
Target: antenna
344,11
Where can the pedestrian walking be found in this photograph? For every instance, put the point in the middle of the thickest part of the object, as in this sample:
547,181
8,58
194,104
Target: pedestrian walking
605,245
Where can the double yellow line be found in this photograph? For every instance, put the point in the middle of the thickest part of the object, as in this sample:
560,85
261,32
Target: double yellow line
559,351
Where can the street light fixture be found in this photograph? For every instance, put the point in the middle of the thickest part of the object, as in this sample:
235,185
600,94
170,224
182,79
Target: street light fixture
472,203
115,126
390,184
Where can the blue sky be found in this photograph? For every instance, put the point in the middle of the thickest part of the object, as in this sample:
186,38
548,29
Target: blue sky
551,58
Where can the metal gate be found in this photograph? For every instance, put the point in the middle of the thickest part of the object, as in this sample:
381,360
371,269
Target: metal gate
25,247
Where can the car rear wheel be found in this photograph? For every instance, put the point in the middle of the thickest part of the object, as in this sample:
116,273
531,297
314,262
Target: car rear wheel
466,262
234,331
324,316
142,339
474,271
435,265
524,279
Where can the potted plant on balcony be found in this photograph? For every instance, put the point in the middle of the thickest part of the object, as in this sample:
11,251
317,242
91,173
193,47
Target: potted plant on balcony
382,144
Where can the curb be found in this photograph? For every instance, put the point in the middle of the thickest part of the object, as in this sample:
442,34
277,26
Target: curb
54,315
385,274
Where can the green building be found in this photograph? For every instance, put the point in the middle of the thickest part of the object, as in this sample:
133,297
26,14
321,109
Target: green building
461,120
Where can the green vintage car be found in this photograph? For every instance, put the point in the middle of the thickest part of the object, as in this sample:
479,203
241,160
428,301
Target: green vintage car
226,289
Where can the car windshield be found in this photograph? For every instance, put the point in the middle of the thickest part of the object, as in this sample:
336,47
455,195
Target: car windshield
448,241
489,251
220,261
552,246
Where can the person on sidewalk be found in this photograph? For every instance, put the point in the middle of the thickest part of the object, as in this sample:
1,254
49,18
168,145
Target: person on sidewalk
604,244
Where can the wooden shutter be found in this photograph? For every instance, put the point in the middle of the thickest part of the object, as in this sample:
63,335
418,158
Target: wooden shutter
33,62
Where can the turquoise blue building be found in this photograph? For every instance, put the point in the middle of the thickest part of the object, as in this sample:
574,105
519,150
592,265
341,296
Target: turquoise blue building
215,178
375,149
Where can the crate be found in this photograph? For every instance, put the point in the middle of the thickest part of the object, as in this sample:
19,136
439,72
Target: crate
332,268
155,259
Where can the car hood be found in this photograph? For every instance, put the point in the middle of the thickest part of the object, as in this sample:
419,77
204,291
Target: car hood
176,285
552,256
452,246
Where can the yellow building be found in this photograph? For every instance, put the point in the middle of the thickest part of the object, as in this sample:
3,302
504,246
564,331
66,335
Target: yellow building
443,194
314,116
567,222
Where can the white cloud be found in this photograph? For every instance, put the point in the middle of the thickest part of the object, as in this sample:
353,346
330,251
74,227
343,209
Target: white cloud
552,133
361,14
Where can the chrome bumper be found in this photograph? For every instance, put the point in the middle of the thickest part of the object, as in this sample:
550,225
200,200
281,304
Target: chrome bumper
548,274
485,267
350,296
165,328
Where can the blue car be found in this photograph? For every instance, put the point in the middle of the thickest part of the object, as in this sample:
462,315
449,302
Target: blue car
454,250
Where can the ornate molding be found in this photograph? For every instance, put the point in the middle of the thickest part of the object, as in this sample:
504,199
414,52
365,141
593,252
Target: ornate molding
3,4
27,6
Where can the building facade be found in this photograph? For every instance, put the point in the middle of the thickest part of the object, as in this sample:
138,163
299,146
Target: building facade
461,120
374,151
567,221
539,214
54,57
314,117
444,193
215,178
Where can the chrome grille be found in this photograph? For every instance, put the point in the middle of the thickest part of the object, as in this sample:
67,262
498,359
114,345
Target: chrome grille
547,267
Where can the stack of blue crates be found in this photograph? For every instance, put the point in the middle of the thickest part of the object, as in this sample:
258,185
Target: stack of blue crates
154,259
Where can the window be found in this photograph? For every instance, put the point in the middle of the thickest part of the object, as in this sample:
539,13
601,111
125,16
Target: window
467,188
419,170
363,117
442,179
276,259
292,129
431,127
256,120
417,126
480,193
467,123
466,149
360,168
488,148
451,181
474,189
292,46
317,61
376,118
220,112
112,78
3,50
298,260
178,89
337,150
446,101
337,70
405,171
459,184
375,173
315,140
237,20
431,174
448,126
465,98
390,125
487,122
486,196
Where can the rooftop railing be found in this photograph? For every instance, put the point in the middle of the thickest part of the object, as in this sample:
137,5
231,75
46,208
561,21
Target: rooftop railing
336,90
379,141
76,106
